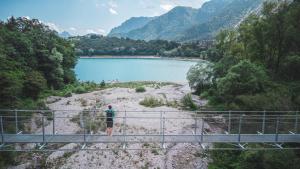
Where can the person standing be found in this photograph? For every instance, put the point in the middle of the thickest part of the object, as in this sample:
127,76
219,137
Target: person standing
110,114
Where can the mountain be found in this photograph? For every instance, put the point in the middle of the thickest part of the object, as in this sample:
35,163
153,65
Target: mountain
229,15
129,25
187,24
64,34
166,26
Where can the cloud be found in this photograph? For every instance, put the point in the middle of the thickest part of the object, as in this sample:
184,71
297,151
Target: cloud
101,31
112,4
112,11
95,31
166,7
72,29
52,26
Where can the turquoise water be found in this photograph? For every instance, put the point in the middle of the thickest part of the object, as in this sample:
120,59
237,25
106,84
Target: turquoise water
125,70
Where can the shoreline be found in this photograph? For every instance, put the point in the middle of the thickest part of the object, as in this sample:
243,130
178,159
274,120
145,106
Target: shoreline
141,57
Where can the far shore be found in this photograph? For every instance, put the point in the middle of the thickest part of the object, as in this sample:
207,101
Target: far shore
141,57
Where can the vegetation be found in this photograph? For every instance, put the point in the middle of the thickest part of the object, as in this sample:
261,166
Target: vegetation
199,76
254,68
140,89
260,159
249,66
92,122
91,45
152,102
32,59
188,102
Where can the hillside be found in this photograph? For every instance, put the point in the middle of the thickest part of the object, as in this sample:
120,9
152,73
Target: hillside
129,25
186,24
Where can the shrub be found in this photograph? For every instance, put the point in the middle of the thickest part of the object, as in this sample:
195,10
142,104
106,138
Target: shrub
79,90
68,94
140,89
188,102
151,102
83,102
102,84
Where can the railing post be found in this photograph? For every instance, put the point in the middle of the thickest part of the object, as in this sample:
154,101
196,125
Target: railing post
43,123
2,131
240,129
53,127
160,125
229,122
84,129
16,119
277,129
263,123
195,126
202,130
163,133
296,123
124,130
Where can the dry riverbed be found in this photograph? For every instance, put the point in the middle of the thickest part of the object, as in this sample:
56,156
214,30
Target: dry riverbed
126,99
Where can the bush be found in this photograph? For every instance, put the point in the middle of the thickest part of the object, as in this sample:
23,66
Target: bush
264,159
188,102
83,102
79,90
151,102
7,158
102,84
140,89
68,94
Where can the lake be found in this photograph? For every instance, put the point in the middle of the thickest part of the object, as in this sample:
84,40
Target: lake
132,69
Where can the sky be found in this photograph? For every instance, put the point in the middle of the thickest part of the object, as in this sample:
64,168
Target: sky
80,17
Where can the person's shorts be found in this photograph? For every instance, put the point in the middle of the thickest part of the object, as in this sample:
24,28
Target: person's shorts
109,124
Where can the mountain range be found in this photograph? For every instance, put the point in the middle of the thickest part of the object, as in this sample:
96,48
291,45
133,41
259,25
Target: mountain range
186,23
64,34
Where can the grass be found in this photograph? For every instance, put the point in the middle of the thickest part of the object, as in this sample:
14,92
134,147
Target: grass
188,102
83,102
152,102
154,151
92,123
140,89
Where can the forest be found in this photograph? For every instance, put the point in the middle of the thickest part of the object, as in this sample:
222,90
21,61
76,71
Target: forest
95,45
255,67
33,59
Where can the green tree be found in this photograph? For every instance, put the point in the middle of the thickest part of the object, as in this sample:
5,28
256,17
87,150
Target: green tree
243,78
34,84
200,76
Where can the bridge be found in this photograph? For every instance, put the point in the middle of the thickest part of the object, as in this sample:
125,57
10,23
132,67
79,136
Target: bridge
240,128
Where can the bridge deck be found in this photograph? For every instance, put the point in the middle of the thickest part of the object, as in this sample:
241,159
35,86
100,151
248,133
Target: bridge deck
206,138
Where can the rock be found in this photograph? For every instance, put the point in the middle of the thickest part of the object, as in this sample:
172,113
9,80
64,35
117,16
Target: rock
52,99
22,166
58,154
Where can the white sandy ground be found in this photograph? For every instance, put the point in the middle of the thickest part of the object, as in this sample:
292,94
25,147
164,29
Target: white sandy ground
180,156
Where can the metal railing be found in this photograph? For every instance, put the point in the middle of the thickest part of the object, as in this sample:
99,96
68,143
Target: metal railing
238,127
